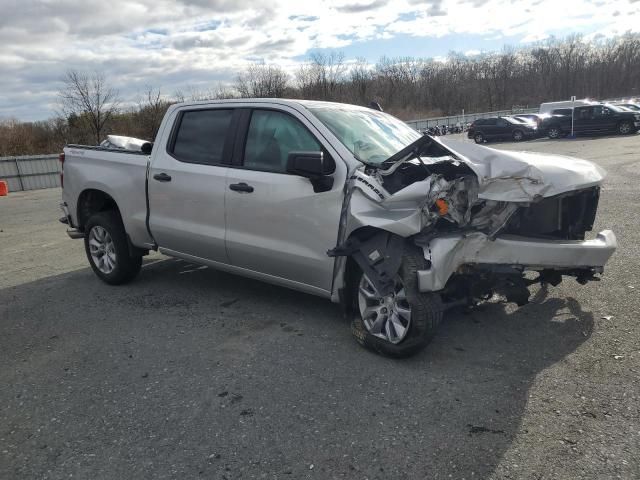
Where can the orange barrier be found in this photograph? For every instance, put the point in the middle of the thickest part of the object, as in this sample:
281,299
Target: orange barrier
4,188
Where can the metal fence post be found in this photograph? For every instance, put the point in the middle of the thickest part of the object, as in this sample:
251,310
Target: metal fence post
19,174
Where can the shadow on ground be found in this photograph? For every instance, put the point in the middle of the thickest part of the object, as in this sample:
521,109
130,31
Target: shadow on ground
191,373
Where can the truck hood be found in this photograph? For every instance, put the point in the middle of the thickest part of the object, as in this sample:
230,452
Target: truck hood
522,176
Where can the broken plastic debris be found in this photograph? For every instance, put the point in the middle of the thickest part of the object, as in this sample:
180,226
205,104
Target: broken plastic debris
607,317
618,357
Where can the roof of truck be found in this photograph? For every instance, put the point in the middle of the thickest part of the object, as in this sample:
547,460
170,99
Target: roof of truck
280,101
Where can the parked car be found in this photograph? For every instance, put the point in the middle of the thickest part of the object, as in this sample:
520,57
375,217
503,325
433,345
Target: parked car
500,128
634,107
592,120
339,201
549,107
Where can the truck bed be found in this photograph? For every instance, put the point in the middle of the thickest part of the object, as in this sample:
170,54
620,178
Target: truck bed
121,174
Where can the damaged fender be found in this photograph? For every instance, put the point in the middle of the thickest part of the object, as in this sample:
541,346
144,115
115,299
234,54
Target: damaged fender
379,258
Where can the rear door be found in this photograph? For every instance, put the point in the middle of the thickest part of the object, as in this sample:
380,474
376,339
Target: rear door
583,120
187,182
276,224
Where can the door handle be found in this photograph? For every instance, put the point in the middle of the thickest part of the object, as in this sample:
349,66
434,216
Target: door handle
241,187
162,177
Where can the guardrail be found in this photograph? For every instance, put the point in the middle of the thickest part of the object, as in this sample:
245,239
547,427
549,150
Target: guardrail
30,172
453,120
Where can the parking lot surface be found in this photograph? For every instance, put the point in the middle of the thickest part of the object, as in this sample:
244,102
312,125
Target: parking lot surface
192,373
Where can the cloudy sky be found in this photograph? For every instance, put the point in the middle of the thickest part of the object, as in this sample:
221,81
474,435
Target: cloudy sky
181,43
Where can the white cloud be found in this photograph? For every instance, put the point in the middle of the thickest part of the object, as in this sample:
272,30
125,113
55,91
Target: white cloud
173,44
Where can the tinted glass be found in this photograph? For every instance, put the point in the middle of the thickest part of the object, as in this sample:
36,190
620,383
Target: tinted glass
502,122
201,136
600,111
272,136
562,111
490,121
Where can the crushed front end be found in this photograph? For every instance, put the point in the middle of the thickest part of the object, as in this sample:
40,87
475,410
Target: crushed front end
484,220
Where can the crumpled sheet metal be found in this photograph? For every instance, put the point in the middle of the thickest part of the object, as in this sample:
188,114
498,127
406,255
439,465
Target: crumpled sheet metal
522,176
448,252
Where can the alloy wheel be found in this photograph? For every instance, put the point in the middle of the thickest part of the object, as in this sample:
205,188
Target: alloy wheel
102,249
387,317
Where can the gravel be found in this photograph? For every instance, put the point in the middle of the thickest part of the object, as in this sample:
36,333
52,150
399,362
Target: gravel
192,373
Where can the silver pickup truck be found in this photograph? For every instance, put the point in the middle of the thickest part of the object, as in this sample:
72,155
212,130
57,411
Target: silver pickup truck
340,201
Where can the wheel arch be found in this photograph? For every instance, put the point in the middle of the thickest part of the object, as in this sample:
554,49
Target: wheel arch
352,268
91,201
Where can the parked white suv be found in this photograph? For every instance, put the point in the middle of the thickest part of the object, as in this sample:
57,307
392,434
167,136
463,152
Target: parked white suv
340,201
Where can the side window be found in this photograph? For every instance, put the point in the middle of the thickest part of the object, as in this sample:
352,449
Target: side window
502,122
490,121
562,111
201,136
583,113
272,135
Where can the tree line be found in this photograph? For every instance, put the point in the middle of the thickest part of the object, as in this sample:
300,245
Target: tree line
408,87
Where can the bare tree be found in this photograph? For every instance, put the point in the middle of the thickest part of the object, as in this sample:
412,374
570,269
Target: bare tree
261,80
90,98
151,110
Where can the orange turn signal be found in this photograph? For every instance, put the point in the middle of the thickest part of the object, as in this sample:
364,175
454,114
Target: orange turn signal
442,205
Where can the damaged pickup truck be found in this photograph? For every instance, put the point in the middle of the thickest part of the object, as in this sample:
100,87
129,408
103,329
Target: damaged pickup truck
340,201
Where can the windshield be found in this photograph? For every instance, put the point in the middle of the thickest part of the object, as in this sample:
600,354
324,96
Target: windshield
370,135
617,108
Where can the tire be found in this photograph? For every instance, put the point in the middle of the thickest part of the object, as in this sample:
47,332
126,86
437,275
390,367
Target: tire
107,249
625,128
554,133
425,313
518,136
478,138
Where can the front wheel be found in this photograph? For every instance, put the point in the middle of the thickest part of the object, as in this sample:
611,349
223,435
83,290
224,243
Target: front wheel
399,324
625,128
553,133
478,138
107,249
518,135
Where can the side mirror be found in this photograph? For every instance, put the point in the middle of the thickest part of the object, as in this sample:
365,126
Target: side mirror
146,148
314,166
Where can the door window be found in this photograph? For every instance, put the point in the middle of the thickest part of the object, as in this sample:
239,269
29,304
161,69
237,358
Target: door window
201,136
501,122
272,136
599,112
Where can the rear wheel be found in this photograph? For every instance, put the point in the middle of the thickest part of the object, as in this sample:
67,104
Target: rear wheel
625,128
107,249
478,138
518,135
399,324
554,132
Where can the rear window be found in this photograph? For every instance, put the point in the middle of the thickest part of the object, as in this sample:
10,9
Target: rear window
201,135
562,111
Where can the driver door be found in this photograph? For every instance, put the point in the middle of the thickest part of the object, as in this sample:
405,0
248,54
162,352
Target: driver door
276,224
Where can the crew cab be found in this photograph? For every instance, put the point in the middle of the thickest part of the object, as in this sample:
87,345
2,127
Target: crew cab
591,120
339,201
501,128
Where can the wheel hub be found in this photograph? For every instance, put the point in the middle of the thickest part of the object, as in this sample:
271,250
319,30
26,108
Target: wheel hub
387,317
102,249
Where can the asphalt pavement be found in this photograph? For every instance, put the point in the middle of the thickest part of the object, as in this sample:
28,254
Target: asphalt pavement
190,373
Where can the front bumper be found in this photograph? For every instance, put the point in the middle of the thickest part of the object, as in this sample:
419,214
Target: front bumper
448,253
